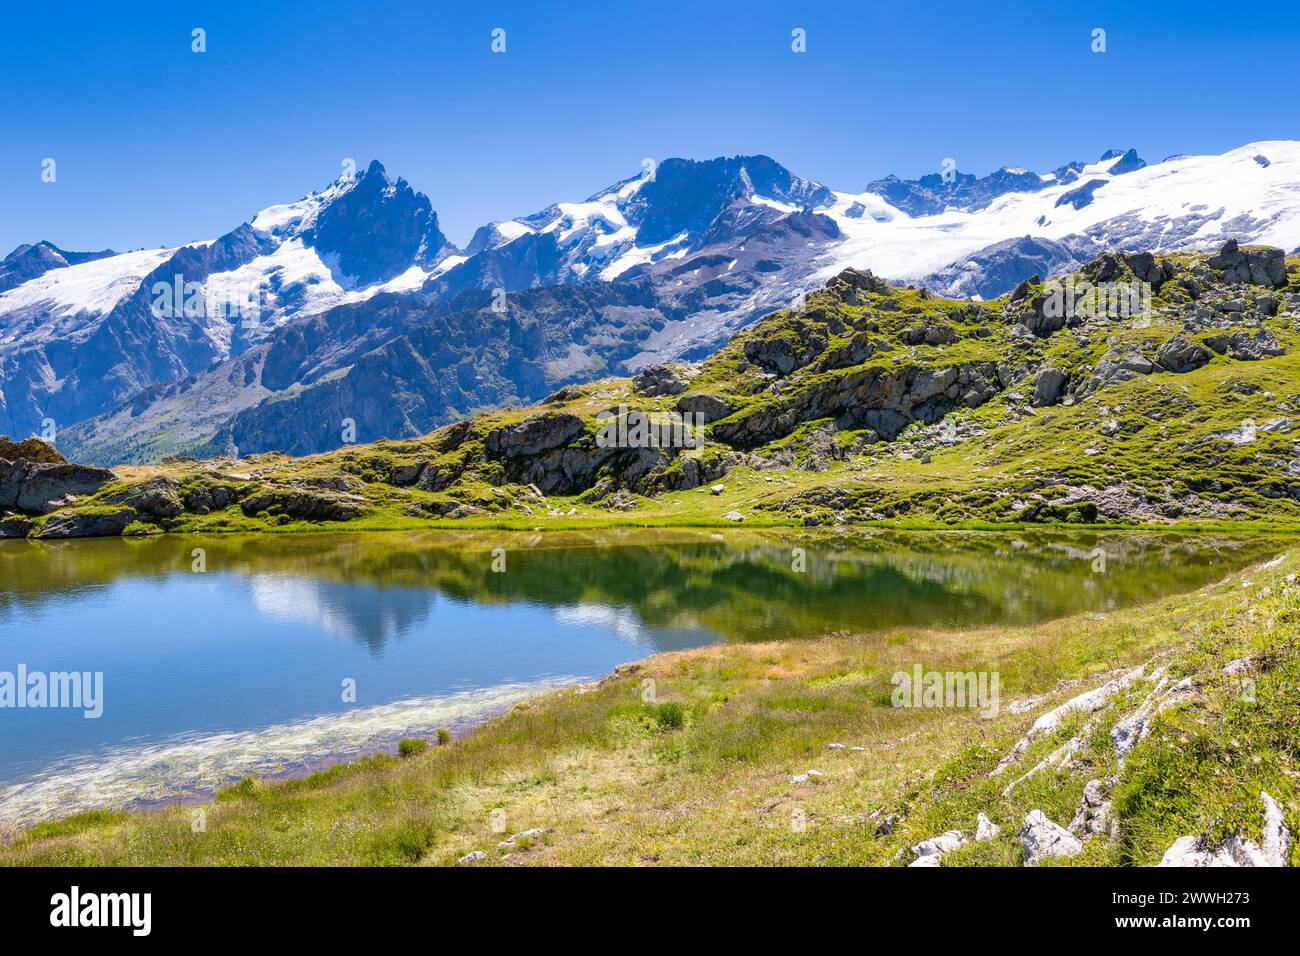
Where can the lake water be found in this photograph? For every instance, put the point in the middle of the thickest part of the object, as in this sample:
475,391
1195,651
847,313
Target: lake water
224,656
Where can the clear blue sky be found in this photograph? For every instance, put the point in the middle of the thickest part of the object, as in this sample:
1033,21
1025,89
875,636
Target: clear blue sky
157,145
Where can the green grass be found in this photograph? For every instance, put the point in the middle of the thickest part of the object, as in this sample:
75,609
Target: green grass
410,746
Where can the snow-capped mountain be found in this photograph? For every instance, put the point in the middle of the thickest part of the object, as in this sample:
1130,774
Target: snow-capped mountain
363,235
89,330
694,227
661,214
354,290
1252,193
32,261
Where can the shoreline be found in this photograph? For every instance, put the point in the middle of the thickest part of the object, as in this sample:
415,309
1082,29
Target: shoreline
268,754
1282,528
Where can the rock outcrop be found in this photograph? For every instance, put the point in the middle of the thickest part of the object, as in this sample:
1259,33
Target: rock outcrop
1094,816
157,498
304,504
707,406
882,399
87,524
1236,851
36,479
1049,384
534,435
1043,839
1260,265
1180,354
929,852
671,378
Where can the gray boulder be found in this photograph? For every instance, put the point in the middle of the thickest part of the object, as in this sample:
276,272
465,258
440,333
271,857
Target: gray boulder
1180,354
1136,362
1048,386
1268,303
1041,839
34,487
82,524
667,379
1217,343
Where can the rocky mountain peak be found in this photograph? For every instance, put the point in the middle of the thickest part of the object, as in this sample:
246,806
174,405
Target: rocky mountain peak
687,195
378,228
1129,160
31,260
932,193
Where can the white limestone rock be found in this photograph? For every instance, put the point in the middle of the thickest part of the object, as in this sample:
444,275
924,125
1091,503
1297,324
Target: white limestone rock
985,829
928,852
1041,839
1236,851
1087,702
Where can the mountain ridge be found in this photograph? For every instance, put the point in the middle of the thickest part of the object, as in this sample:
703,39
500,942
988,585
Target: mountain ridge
734,239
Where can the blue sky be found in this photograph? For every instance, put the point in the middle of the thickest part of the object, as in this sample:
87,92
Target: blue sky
158,145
